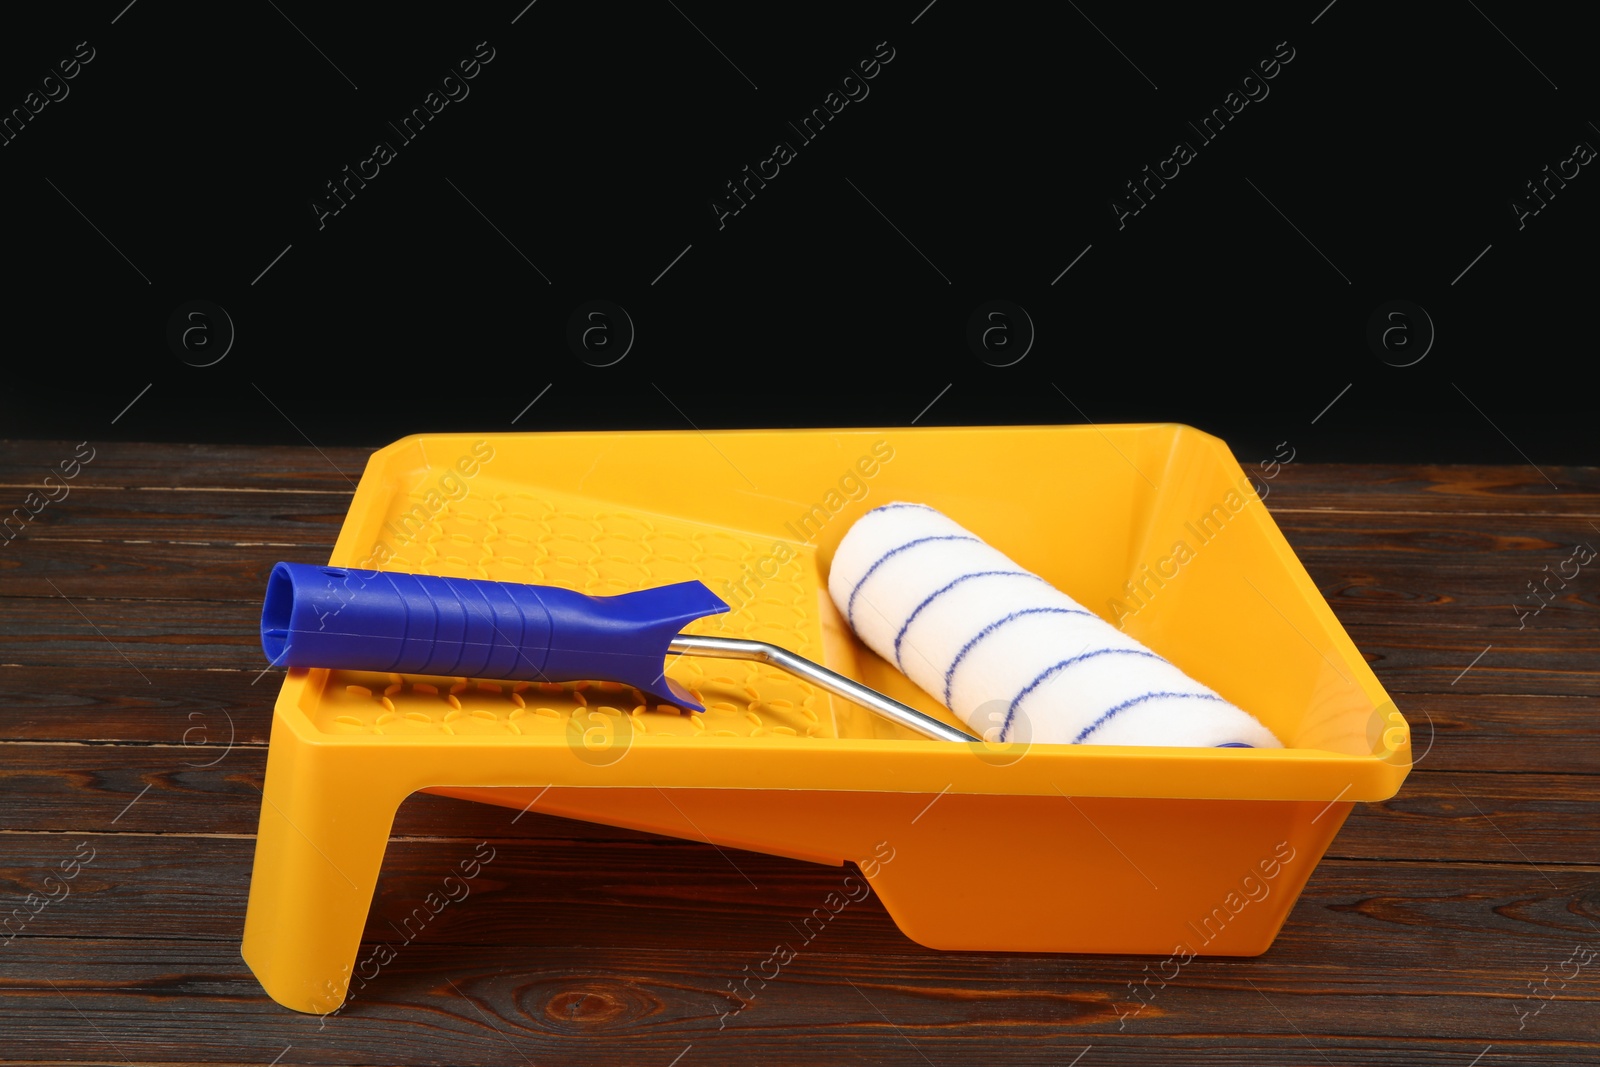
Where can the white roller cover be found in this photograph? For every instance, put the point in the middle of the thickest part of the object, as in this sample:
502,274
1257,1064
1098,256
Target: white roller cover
1014,657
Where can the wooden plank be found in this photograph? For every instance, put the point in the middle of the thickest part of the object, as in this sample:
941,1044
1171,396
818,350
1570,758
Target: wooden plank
1453,571
1532,818
1465,599
112,704
1437,570
1379,585
1444,538
1413,592
195,886
494,1006
1429,960
1445,816
1451,730
1497,732
1423,488
193,634
1541,660
262,468
121,513
219,518
87,631
150,571
1497,489
187,636
174,514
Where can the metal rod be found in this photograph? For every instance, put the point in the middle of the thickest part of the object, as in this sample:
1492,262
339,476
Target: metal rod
837,684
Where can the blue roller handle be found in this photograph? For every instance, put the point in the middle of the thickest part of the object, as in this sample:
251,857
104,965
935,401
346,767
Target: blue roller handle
346,619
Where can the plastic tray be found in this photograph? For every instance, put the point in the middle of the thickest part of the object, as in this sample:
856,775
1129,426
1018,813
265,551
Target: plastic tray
1090,848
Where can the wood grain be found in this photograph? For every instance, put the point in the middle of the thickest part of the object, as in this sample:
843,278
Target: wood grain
125,465
1453,730
1431,569
1449,948
204,518
194,634
678,889
1424,488
494,1005
133,717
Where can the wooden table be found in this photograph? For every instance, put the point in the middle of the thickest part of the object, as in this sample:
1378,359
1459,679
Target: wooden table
134,727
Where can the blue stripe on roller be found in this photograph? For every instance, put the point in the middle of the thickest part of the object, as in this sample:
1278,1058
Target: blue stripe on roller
850,605
1102,720
893,507
949,675
940,592
1234,744
1057,668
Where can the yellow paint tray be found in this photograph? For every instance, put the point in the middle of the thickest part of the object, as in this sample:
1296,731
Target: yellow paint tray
1092,848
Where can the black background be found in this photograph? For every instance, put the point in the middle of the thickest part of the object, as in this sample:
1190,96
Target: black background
983,162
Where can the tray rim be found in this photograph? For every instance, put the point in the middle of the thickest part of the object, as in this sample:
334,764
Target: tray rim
890,765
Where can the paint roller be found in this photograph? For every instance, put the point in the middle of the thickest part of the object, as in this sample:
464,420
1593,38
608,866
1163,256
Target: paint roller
347,619
1015,658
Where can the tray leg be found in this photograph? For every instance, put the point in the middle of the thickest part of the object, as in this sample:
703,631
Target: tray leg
325,822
